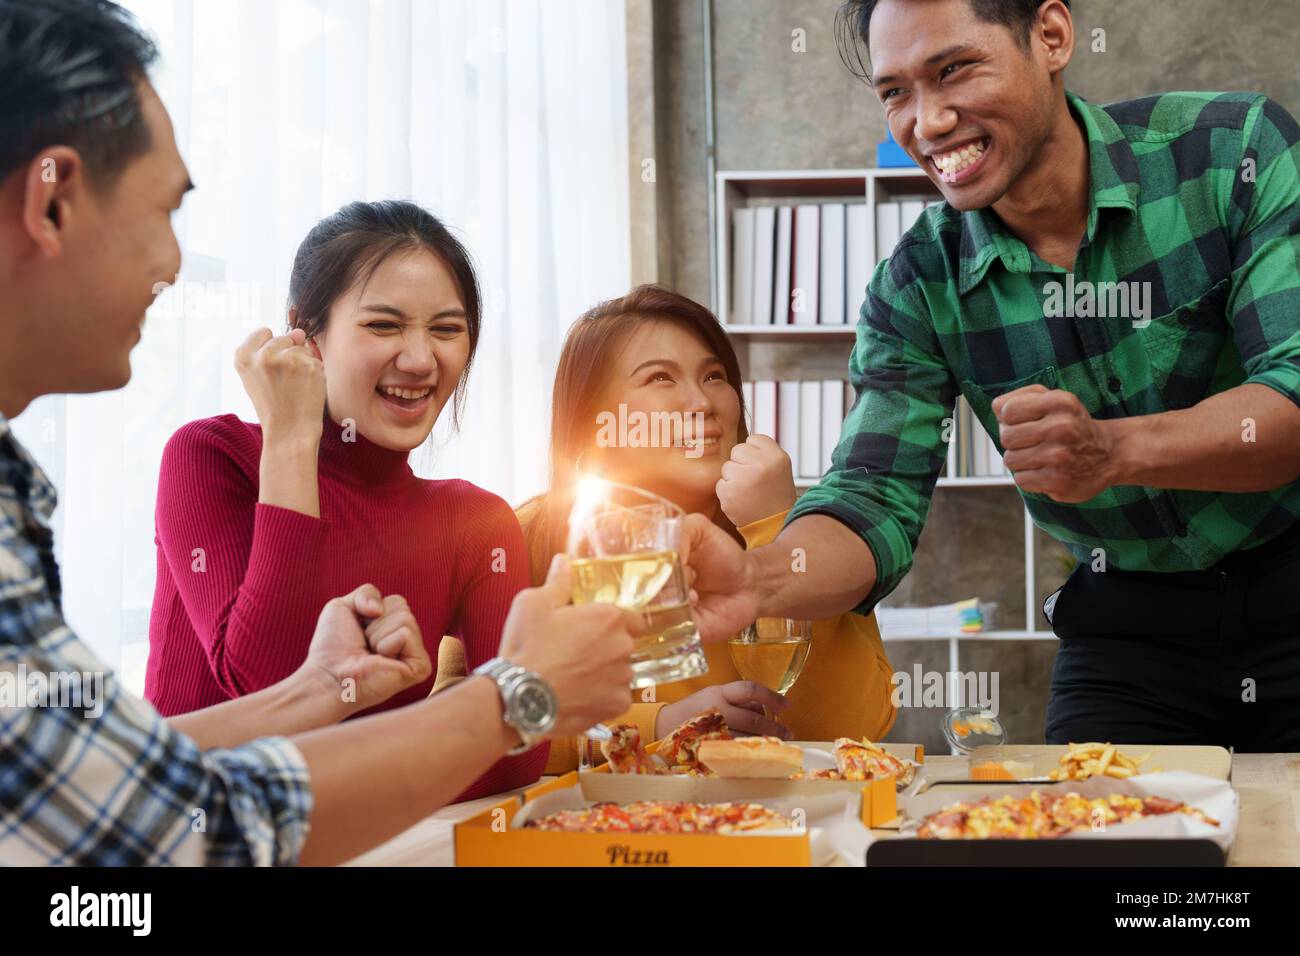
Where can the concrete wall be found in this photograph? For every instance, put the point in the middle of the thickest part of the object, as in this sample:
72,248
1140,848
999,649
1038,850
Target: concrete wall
776,109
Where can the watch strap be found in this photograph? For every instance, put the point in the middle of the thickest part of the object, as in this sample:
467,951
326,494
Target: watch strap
505,675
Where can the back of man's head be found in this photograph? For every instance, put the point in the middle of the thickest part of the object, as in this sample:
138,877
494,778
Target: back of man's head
69,74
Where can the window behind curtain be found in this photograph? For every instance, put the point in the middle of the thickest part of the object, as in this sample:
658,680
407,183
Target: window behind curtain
507,120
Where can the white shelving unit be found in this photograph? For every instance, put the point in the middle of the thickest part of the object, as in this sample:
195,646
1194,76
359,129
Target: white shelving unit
748,187
735,188
989,481
785,333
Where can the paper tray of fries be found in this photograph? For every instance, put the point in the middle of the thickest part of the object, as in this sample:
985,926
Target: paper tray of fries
1081,761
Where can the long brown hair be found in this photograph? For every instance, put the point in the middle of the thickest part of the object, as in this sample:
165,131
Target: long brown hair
580,378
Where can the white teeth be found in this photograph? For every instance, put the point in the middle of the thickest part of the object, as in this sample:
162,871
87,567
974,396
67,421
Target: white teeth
957,160
407,393
696,443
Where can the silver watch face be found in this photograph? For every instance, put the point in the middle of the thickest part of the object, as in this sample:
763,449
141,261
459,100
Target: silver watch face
533,706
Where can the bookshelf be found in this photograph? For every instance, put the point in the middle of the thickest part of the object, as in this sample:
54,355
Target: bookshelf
822,349
785,333
982,481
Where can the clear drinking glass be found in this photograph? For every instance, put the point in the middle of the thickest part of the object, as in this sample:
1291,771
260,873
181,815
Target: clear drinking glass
772,651
623,550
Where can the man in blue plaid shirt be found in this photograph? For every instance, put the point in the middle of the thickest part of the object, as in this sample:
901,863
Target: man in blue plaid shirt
89,177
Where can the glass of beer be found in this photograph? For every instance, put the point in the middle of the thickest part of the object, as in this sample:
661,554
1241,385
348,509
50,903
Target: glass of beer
772,651
623,549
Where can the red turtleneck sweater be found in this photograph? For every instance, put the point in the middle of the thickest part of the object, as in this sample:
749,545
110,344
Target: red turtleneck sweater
241,584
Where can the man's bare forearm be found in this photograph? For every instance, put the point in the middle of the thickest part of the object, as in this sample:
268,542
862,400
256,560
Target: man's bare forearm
292,706
374,777
817,567
1244,439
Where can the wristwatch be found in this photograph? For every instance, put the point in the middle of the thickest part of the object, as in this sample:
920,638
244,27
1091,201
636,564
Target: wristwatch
530,705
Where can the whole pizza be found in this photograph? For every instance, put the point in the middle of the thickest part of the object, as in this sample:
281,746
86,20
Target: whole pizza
663,816
1045,815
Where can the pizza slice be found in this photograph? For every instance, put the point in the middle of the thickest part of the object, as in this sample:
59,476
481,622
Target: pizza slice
625,754
820,773
681,747
863,760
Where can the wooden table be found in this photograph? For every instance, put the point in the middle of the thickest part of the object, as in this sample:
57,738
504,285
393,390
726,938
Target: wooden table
1268,834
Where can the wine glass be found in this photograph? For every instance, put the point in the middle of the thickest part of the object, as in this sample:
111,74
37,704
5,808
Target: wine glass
772,651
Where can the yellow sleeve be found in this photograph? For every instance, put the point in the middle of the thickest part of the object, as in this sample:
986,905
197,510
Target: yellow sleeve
564,750
846,688
763,531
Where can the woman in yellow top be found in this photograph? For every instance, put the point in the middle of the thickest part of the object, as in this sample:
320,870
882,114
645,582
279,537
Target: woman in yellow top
655,351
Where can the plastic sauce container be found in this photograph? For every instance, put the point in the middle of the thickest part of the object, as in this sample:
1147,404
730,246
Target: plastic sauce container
968,728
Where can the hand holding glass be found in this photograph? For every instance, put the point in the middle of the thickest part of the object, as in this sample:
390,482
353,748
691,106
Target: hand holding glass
623,548
772,651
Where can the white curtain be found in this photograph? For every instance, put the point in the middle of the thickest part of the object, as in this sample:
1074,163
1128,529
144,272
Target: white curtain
508,120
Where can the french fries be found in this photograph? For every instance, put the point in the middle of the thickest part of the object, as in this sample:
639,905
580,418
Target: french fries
1082,761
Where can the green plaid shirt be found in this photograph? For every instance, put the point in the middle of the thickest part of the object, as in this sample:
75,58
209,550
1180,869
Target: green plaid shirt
1195,195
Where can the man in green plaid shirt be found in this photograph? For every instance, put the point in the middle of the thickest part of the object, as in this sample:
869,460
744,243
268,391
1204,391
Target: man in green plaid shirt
1116,292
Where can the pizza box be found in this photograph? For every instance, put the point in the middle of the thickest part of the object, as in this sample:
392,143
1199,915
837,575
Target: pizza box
497,836
1169,840
876,798
1111,854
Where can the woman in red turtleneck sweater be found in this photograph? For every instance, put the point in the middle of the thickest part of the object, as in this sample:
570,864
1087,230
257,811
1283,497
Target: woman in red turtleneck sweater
259,525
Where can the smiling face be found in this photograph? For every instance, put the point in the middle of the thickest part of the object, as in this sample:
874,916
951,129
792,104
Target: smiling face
135,250
970,104
92,256
395,347
662,367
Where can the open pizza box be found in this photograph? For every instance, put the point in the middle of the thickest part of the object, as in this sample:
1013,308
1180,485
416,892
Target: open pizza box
1168,839
875,800
498,836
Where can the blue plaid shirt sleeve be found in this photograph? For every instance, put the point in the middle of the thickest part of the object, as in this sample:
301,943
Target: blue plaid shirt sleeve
90,774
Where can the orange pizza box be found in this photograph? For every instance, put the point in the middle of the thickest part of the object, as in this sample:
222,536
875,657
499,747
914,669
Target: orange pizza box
498,837
877,798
